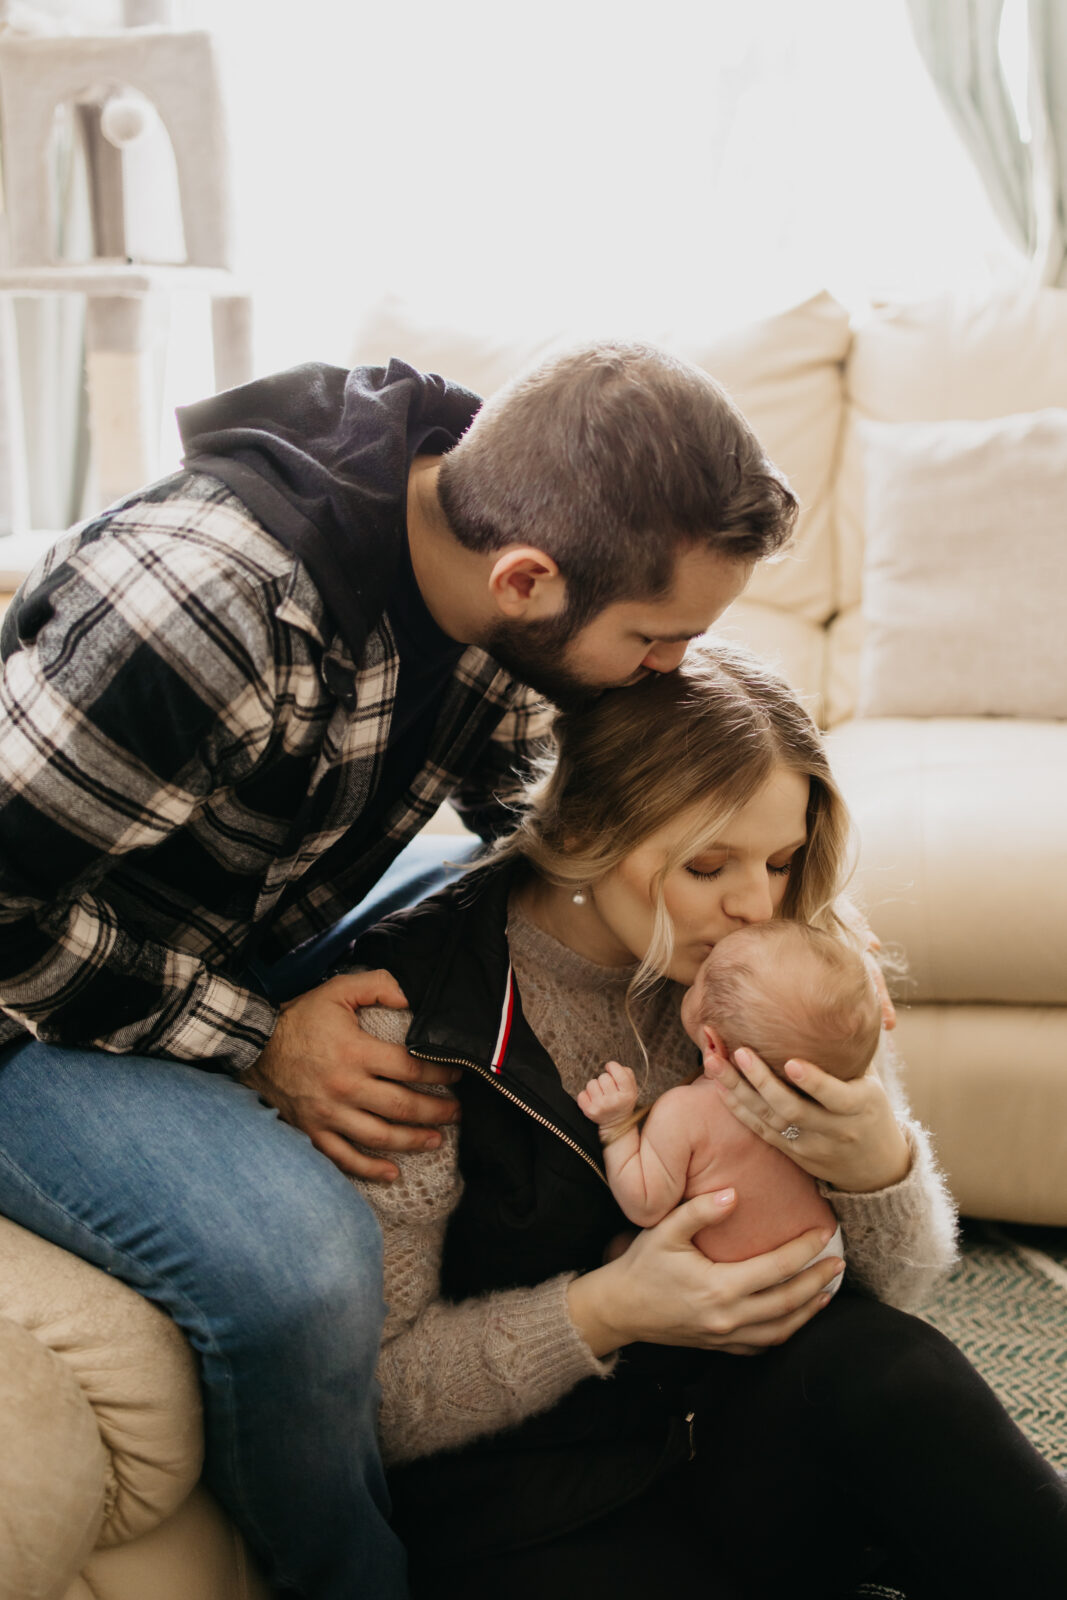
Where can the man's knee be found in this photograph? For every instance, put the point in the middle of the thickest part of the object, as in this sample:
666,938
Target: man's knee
305,1266
189,1188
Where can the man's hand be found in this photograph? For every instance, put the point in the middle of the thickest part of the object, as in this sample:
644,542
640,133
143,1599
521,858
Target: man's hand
342,1087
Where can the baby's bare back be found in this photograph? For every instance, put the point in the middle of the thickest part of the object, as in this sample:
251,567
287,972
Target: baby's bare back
776,1200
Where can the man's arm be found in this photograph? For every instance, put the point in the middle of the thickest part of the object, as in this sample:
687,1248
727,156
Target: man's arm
133,697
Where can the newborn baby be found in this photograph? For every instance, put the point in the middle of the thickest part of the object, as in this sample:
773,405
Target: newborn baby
783,989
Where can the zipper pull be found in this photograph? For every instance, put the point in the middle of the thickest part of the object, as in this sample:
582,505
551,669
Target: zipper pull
691,1421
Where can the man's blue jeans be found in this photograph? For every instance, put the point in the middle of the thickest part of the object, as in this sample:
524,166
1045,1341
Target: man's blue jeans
187,1187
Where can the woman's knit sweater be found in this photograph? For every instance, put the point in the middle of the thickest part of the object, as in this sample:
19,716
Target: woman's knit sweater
451,1372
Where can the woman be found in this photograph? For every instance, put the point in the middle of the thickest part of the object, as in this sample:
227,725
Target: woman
559,1411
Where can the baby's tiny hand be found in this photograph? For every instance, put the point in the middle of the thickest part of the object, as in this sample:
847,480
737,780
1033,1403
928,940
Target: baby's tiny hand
609,1099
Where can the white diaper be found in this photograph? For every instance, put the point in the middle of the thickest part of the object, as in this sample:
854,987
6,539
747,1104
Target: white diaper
836,1247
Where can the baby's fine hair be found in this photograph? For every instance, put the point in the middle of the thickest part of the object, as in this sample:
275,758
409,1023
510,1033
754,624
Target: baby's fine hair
786,989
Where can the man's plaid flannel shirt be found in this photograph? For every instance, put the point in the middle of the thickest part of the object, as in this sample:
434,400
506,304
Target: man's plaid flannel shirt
182,739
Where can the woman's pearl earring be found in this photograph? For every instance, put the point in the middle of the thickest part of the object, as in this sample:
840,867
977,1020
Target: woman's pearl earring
579,897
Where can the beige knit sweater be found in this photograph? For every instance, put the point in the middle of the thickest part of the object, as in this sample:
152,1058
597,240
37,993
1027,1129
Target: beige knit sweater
450,1373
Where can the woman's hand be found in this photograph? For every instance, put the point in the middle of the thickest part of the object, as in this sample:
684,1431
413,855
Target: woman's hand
663,1290
848,1134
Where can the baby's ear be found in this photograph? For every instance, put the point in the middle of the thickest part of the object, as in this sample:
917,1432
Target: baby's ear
714,1051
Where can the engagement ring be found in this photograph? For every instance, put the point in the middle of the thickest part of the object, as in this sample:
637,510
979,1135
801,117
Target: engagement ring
792,1132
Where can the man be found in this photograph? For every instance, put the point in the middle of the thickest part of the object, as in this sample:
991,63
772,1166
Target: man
228,703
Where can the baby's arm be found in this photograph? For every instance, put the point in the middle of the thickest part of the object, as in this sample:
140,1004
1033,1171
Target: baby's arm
646,1167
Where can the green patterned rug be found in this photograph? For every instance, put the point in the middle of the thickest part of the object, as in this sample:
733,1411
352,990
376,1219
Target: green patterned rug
1006,1308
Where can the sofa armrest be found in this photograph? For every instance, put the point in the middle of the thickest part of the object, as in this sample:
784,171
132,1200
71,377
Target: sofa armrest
134,1369
53,1471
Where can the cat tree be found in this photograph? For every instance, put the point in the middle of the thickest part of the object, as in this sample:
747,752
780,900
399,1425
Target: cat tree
115,81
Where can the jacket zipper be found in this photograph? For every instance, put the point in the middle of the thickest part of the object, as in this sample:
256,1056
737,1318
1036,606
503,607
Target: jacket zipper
491,1077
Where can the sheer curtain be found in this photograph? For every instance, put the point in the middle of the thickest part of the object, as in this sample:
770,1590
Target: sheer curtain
585,163
1018,142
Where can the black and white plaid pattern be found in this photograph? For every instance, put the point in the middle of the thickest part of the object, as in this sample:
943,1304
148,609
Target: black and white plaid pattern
184,744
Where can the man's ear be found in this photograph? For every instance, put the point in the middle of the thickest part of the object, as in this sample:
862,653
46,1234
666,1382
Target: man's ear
526,584
715,1051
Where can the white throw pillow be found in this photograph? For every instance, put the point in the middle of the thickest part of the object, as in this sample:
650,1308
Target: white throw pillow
965,575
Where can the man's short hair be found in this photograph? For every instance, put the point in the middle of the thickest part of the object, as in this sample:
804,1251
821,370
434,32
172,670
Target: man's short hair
611,458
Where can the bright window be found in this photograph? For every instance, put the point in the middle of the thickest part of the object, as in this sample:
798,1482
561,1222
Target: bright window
593,163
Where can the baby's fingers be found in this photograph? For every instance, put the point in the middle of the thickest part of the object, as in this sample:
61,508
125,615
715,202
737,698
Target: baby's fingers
622,1077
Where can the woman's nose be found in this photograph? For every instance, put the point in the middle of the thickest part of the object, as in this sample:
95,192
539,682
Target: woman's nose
750,901
665,657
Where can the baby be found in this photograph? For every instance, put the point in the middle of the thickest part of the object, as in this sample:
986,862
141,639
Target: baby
783,989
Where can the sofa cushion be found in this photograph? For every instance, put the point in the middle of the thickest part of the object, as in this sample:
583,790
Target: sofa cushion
132,1364
955,356
794,647
988,1081
966,550
786,374
196,1554
784,371
962,852
52,1470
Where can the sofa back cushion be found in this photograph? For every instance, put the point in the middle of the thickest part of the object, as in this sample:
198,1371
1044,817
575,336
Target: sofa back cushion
954,357
966,552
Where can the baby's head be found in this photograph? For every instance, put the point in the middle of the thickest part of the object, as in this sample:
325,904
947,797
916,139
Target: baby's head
786,989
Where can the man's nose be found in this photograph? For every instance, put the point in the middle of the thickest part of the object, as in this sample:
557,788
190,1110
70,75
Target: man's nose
665,657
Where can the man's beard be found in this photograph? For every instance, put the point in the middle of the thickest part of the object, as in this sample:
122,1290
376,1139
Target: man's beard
534,652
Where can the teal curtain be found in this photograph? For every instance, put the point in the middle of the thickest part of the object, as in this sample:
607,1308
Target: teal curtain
1026,180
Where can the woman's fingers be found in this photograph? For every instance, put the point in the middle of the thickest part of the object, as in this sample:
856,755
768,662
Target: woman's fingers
787,1265
663,1290
758,1273
761,1102
775,1094
779,1105
679,1226
840,1096
761,1336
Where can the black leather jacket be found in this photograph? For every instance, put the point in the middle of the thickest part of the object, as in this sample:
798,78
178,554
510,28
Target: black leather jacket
535,1203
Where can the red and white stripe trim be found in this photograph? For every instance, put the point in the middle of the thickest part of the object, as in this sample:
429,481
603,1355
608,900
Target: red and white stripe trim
500,1049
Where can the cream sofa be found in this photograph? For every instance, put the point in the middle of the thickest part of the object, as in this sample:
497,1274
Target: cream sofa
963,864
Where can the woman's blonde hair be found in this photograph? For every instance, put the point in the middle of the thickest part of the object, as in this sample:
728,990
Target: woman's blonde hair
704,738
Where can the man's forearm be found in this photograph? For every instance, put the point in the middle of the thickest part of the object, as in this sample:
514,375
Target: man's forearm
75,976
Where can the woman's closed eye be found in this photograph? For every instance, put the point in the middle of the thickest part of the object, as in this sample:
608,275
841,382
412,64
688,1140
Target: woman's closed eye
780,871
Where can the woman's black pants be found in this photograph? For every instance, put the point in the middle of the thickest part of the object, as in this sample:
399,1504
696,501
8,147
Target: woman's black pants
865,1448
